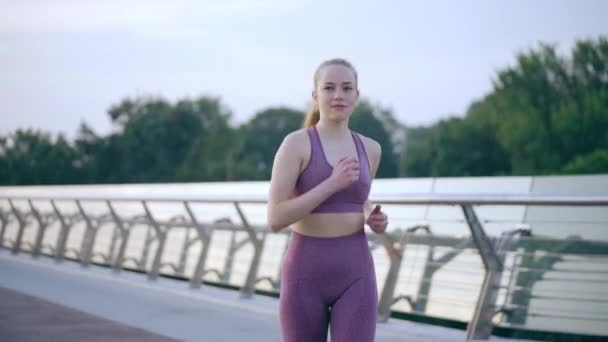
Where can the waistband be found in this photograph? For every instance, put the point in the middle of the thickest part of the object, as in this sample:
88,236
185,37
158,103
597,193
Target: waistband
300,236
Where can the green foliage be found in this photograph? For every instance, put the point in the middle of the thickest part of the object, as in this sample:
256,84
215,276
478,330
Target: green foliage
33,157
210,147
420,151
542,113
161,142
595,162
548,109
378,124
466,150
260,138
547,114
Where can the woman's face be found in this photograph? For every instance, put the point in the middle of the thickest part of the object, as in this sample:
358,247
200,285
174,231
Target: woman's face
336,92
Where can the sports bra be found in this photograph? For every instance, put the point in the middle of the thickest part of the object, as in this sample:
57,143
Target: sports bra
347,200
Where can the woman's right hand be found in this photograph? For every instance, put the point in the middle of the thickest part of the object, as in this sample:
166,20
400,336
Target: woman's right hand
345,173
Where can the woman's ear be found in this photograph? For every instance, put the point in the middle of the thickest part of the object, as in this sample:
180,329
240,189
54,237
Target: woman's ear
314,96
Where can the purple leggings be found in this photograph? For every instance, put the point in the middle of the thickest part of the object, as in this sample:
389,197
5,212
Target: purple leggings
328,281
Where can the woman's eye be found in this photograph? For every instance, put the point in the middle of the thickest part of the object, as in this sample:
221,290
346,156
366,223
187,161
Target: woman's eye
328,88
348,89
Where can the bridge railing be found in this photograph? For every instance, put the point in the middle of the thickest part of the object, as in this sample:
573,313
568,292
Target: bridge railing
500,283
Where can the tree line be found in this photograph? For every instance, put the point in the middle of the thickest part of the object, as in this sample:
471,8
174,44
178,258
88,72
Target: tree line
547,114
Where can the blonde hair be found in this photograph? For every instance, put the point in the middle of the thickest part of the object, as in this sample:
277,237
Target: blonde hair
314,114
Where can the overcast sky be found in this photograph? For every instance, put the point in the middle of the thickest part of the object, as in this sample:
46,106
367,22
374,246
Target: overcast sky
63,62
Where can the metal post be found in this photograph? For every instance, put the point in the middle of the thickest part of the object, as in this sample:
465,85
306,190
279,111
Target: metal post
395,254
481,326
229,258
395,251
149,239
205,237
424,288
42,225
258,245
113,243
181,266
162,237
22,224
63,234
88,240
5,218
124,235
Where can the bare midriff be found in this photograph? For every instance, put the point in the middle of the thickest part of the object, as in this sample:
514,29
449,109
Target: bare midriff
329,224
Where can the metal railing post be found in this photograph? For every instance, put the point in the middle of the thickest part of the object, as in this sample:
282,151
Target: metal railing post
42,225
205,237
183,255
258,245
161,236
62,239
229,258
88,240
431,267
148,240
395,251
124,236
5,218
395,254
22,223
481,325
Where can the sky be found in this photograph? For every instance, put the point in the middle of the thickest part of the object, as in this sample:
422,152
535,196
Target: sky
63,62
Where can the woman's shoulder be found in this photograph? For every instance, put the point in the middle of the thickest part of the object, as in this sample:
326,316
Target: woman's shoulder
297,141
296,137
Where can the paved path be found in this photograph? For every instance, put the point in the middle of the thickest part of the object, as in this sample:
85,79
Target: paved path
27,318
78,301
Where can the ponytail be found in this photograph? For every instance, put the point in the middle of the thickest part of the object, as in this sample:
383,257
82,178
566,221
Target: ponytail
312,117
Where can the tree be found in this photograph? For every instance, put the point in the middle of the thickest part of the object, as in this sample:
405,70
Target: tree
546,114
549,109
261,137
34,157
161,142
210,147
368,120
595,162
151,140
420,151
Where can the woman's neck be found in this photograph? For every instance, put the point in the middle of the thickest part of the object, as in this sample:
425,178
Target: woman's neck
332,129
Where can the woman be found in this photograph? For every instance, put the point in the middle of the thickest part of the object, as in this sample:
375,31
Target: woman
320,184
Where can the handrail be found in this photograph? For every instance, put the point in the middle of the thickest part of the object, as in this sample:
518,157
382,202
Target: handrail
491,250
548,199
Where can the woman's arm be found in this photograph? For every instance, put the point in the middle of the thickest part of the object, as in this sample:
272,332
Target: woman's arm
374,217
283,210
374,153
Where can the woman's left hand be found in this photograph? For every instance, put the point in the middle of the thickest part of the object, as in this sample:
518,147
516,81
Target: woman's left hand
377,220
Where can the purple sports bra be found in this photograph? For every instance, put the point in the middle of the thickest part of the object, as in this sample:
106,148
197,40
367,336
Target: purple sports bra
347,200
